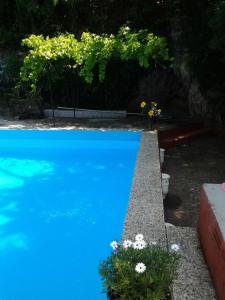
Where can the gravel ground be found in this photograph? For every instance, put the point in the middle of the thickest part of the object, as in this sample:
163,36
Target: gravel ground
199,161
130,123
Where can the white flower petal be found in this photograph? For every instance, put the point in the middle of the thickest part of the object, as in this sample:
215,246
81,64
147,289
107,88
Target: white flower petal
140,268
127,244
139,245
114,245
139,237
175,247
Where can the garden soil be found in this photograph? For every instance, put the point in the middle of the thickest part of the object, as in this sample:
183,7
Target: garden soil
201,160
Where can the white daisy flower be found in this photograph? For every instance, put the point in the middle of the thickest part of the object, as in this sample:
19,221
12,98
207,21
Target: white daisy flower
114,245
140,268
127,244
139,237
175,247
139,245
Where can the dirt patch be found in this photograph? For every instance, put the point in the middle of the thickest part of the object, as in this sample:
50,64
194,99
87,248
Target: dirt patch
199,161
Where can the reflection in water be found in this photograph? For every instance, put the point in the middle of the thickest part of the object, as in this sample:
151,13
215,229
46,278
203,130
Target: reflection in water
4,220
13,174
14,171
13,241
12,206
81,215
9,182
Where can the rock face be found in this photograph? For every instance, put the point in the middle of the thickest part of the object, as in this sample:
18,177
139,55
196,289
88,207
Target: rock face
198,106
4,79
20,108
26,108
2,65
163,86
4,107
11,104
197,102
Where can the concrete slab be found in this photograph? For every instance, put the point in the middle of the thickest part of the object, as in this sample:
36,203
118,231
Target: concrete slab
145,212
193,281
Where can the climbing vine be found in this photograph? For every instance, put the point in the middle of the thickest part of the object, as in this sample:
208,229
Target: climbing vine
49,57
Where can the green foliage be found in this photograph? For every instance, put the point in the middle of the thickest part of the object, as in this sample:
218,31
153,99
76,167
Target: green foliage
39,63
120,277
141,45
96,50
49,57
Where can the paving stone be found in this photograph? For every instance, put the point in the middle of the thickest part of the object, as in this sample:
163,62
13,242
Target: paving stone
193,292
193,281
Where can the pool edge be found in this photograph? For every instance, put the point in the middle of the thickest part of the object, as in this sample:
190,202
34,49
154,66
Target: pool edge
145,213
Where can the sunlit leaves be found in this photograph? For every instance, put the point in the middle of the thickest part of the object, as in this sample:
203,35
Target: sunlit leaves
49,57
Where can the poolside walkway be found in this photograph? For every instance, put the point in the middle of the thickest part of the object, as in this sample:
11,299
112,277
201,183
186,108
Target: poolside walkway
146,215
193,281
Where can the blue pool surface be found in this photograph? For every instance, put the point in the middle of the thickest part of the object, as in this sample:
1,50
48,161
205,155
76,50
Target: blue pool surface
63,199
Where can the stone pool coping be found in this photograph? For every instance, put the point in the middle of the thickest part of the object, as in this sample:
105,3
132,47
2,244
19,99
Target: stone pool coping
145,212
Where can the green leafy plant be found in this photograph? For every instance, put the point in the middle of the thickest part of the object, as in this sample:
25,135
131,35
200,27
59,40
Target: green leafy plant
137,270
51,57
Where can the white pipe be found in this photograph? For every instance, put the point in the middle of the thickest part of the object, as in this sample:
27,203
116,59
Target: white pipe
165,184
162,155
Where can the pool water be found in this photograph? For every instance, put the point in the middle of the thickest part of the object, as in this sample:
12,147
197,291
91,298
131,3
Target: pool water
63,199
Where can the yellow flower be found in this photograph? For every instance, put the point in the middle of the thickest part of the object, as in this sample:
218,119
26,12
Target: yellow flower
159,111
143,104
151,113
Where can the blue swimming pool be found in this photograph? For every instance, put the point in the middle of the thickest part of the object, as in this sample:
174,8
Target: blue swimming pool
63,199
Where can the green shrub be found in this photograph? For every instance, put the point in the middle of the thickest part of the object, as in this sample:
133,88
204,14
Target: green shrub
138,271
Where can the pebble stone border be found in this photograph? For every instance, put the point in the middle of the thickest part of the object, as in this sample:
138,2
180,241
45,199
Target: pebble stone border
145,215
145,212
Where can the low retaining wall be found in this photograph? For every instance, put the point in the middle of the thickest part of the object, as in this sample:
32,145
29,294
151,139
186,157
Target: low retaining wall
83,113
